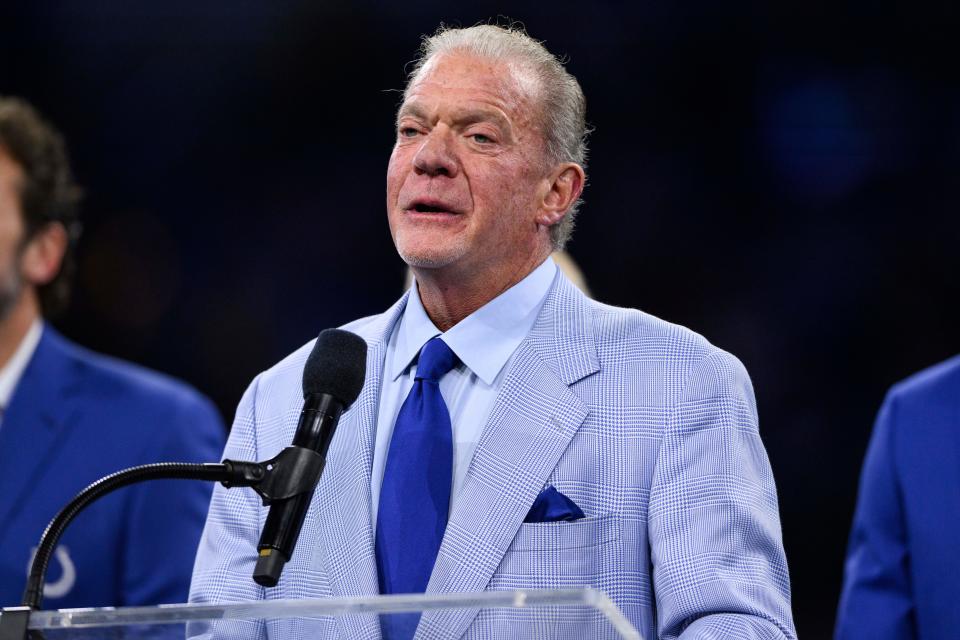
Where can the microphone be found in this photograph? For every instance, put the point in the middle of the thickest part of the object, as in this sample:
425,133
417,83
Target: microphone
332,379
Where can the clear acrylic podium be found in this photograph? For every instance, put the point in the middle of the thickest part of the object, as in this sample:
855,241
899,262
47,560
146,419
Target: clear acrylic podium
581,613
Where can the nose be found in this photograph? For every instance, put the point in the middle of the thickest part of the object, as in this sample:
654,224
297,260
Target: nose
435,157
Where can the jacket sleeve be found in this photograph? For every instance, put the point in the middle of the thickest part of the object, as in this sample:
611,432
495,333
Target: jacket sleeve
876,601
164,518
719,568
223,571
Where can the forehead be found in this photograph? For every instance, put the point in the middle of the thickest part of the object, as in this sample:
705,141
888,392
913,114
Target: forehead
461,77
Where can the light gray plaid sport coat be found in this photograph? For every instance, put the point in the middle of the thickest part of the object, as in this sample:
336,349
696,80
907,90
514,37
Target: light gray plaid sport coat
649,428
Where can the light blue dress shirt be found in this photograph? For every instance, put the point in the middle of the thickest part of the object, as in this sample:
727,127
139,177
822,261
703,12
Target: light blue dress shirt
484,341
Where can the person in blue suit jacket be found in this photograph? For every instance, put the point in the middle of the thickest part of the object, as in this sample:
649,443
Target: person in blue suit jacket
902,578
69,417
512,433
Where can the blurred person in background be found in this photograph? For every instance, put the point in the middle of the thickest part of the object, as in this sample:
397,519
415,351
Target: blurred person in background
902,578
69,417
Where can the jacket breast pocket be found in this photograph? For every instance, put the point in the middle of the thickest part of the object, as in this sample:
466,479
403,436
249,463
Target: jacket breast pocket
557,555
579,534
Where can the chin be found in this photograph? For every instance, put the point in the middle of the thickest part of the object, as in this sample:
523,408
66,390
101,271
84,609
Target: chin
423,260
428,255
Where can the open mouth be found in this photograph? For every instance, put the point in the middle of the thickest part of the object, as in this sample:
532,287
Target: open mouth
426,208
429,205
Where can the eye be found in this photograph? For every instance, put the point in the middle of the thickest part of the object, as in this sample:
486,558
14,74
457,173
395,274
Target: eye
480,138
408,132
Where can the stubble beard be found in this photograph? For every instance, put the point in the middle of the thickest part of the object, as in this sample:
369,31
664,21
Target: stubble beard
427,257
11,286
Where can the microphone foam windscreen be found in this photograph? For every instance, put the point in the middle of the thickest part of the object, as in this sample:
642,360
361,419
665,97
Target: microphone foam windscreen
336,366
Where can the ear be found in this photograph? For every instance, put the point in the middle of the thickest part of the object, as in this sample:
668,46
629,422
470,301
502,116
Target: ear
43,255
565,186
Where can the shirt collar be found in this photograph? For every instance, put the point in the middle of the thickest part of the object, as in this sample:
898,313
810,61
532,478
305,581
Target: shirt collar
485,339
11,372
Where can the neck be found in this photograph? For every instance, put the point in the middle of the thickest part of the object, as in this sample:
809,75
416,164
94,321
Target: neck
17,322
450,297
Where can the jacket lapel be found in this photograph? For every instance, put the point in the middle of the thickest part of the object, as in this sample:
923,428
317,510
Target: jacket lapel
531,424
343,495
32,424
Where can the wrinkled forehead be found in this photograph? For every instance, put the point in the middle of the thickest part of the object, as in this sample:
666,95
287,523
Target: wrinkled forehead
510,76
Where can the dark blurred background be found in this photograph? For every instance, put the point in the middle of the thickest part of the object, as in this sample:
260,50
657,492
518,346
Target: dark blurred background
782,179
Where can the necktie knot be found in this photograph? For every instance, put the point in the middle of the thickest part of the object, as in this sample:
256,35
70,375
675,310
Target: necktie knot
436,360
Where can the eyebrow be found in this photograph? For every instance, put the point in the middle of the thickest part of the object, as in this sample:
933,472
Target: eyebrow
465,116
411,110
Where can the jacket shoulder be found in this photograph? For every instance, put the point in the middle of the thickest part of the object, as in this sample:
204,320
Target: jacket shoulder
117,380
622,328
678,362
941,381
140,414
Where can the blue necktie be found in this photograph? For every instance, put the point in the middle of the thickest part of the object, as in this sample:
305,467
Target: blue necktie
415,494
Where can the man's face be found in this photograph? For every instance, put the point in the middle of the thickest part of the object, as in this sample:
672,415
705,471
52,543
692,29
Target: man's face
467,173
11,233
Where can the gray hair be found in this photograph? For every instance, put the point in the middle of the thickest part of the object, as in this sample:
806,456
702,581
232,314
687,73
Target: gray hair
563,113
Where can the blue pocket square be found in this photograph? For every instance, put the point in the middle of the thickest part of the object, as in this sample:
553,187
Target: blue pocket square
553,506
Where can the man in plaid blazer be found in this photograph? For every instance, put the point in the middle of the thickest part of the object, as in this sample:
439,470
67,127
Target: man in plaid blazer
647,429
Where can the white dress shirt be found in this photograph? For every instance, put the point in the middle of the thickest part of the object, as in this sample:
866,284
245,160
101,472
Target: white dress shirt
10,373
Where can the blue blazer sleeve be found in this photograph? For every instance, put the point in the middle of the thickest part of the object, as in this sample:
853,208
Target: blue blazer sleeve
165,518
876,601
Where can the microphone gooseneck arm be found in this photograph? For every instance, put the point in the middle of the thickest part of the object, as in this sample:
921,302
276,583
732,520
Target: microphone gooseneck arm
292,473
